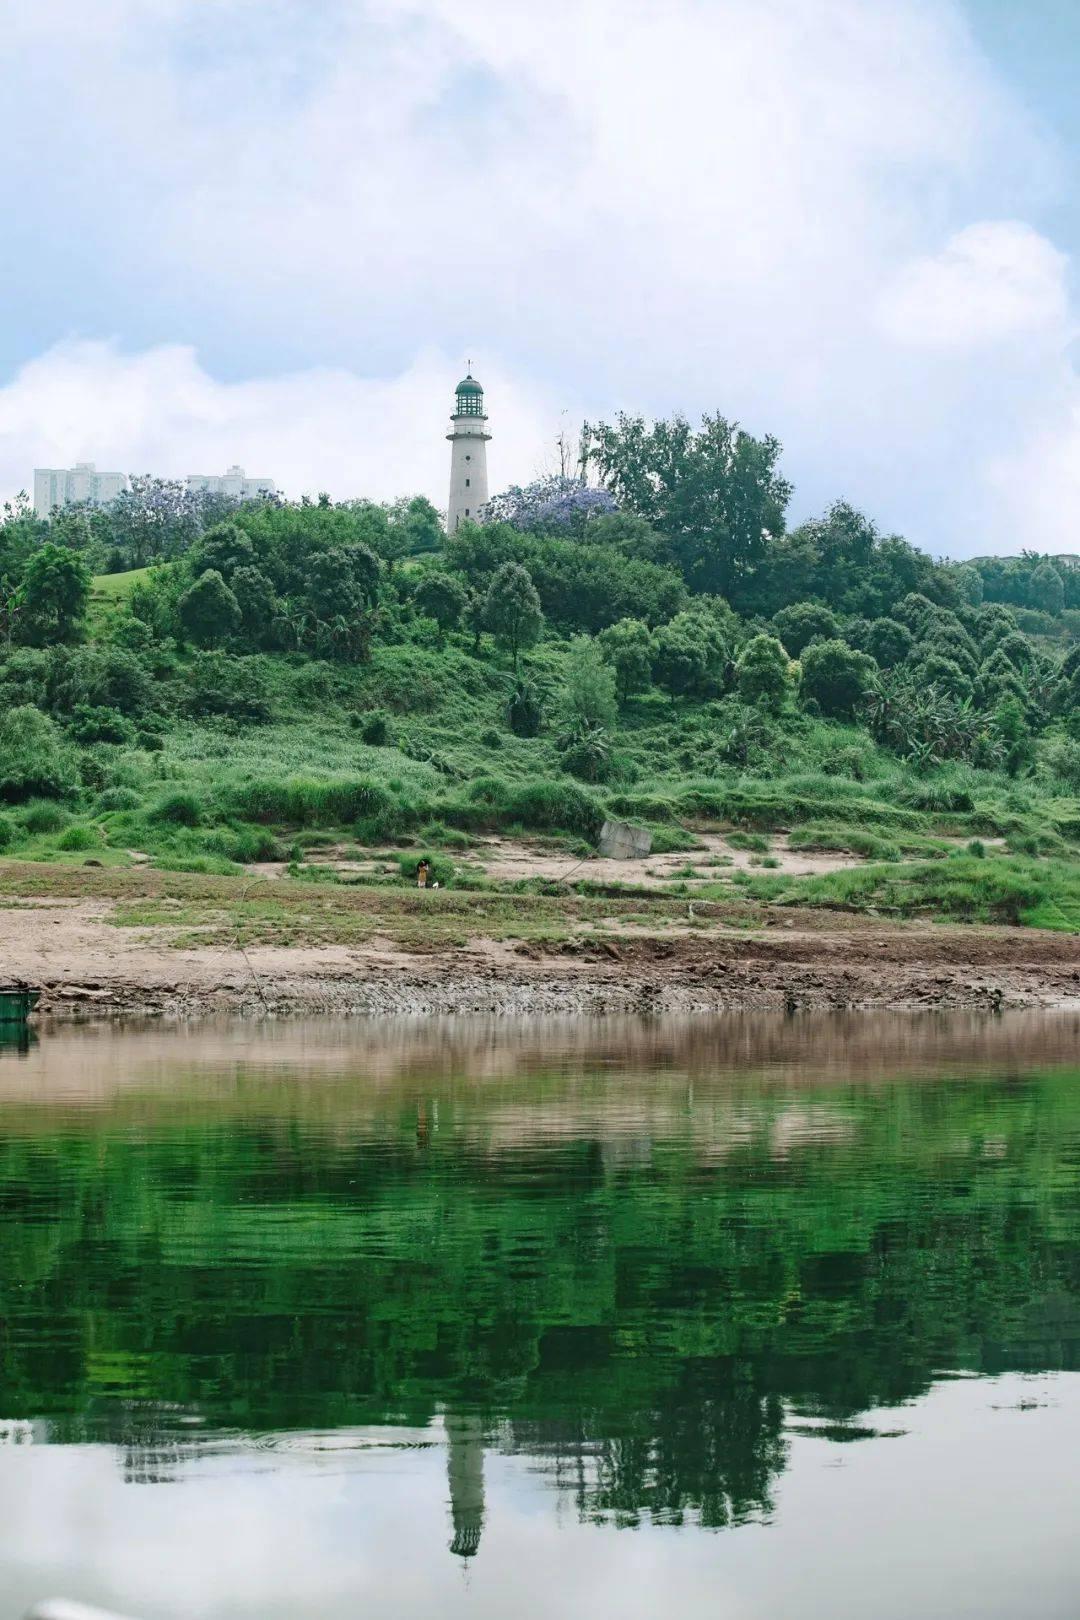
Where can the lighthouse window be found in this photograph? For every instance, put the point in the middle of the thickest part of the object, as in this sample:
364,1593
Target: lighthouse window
468,458
467,481
466,511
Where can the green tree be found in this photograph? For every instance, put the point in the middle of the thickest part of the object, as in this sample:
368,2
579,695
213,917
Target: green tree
589,694
689,654
804,622
225,548
52,597
209,611
512,609
22,532
715,493
762,673
589,711
441,597
969,582
1046,589
343,580
888,642
628,647
156,519
835,677
257,603
414,528
937,669
1014,733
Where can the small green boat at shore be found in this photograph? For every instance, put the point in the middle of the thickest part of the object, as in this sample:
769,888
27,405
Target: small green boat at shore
16,1005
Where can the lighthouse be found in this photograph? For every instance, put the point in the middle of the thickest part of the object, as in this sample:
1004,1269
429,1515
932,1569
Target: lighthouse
468,455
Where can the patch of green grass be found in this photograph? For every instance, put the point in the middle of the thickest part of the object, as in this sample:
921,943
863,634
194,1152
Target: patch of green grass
845,840
756,842
964,888
117,587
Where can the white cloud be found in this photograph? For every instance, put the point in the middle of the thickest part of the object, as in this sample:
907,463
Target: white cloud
733,204
991,282
1037,482
323,429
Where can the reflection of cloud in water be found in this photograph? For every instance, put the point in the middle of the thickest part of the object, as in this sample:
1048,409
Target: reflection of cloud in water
232,1539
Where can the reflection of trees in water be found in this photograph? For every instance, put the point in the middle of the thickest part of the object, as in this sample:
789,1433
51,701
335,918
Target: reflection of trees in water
632,1307
710,1457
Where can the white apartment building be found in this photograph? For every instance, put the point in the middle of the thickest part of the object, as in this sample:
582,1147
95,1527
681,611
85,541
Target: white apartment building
63,486
234,482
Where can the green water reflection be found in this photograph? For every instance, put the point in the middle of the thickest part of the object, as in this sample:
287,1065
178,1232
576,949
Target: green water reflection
643,1261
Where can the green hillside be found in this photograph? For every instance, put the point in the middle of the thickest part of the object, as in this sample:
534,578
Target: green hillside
281,681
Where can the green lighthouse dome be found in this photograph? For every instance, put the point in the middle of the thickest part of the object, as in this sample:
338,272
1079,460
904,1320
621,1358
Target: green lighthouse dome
470,397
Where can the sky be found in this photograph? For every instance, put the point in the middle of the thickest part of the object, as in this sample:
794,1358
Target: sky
274,232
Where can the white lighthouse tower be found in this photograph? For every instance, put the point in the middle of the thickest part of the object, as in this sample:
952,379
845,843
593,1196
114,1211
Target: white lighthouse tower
468,455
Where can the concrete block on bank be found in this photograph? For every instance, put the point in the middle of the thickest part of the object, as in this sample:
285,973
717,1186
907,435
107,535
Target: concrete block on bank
620,841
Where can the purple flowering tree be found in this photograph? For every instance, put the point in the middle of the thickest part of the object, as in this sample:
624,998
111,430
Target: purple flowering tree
557,502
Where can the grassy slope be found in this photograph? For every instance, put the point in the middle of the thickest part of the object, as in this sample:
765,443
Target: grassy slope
828,783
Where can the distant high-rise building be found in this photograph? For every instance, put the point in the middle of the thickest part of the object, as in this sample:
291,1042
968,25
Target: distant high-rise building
234,483
468,455
64,486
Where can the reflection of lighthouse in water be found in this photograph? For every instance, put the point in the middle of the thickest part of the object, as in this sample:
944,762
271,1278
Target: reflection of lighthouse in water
465,1476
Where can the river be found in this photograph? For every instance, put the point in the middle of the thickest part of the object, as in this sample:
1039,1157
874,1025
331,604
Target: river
745,1317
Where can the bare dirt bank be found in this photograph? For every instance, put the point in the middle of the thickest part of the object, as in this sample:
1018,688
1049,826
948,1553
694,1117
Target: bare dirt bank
83,963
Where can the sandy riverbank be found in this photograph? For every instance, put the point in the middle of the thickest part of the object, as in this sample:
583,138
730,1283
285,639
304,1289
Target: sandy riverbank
73,952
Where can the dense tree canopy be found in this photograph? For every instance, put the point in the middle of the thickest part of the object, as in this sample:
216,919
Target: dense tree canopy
715,492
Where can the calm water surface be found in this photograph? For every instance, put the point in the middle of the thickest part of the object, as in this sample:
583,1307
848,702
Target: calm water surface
743,1318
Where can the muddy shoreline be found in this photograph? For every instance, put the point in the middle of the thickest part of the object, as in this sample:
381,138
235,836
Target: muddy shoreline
837,967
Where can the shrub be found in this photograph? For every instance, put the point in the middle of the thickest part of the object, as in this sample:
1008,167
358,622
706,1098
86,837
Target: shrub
246,845
116,798
585,750
846,759
97,724
304,802
523,710
180,809
80,837
33,761
935,796
375,728
555,806
541,805
219,684
7,833
1063,760
490,738
43,818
